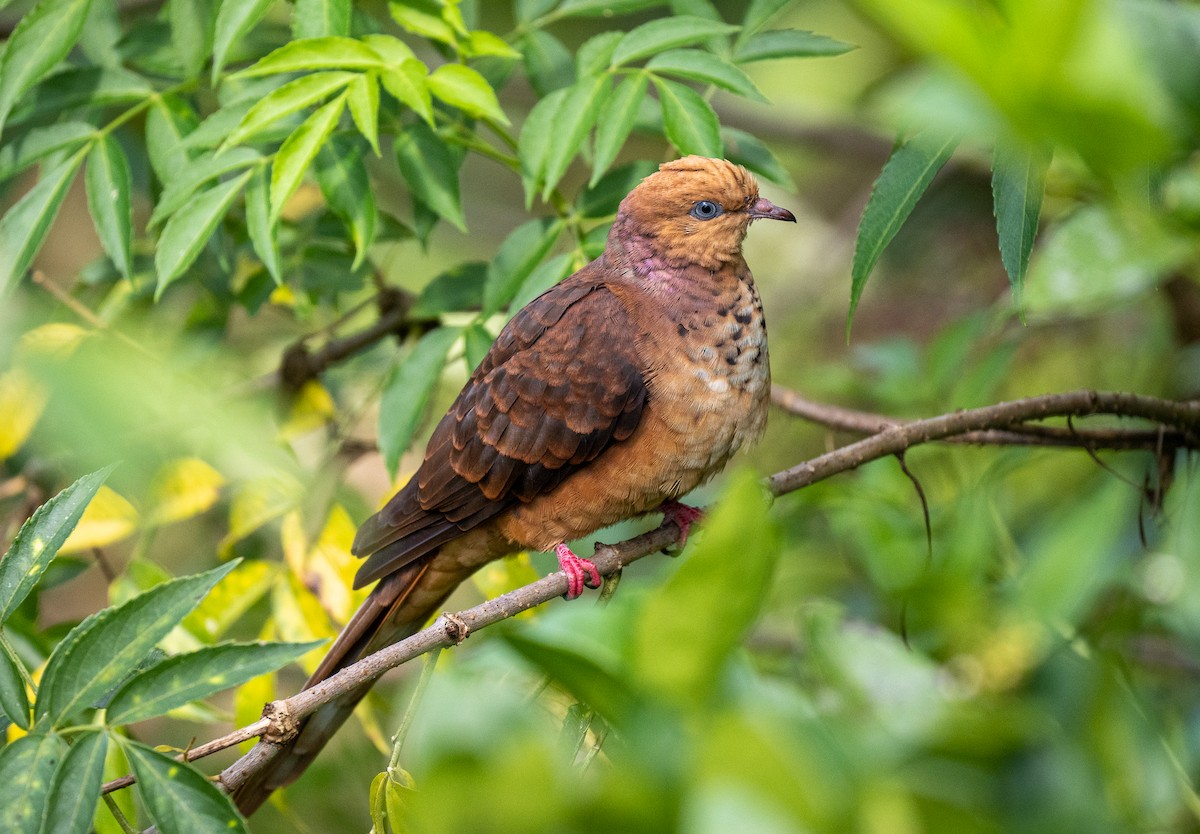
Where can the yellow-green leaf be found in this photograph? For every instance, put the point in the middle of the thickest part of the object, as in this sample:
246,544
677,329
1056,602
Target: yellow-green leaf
298,150
183,488
189,229
464,88
22,400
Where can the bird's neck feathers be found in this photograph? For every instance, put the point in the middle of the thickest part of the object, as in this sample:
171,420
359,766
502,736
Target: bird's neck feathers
663,258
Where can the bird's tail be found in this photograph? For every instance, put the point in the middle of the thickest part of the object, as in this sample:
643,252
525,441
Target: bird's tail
397,608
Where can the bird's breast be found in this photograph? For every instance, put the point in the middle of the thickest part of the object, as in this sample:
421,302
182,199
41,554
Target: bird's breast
714,379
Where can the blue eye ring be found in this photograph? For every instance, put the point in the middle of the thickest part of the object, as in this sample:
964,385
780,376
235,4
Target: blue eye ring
706,210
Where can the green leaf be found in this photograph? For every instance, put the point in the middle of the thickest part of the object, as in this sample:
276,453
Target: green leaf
362,99
408,390
23,229
746,149
1018,180
190,677
42,37
1098,257
216,128
707,68
548,274
478,341
1075,554
530,10
679,654
377,800
391,49
319,18
433,19
191,32
298,150
26,768
695,8
234,595
168,122
187,180
99,652
40,538
908,172
548,63
190,228
14,702
408,83
87,86
666,33
616,121
234,19
760,12
288,99
109,187
327,53
520,253
263,231
603,198
40,143
464,88
458,288
596,53
537,136
342,175
689,120
605,8
484,44
789,43
75,789
574,118
575,648
431,172
178,797
101,33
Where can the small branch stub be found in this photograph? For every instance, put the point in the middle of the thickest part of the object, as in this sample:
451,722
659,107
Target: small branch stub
457,629
282,727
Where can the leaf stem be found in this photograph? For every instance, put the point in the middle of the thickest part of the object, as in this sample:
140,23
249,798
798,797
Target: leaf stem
429,663
118,814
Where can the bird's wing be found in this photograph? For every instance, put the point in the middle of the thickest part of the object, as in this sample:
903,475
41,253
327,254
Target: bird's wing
561,384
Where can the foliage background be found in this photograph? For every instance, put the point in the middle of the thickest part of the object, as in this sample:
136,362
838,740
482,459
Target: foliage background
1033,670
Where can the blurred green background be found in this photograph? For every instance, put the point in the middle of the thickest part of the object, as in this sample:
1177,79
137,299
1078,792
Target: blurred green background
813,666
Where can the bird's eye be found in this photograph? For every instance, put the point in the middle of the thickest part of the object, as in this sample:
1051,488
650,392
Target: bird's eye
705,210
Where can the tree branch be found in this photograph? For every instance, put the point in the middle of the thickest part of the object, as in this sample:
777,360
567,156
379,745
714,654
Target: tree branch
1180,421
1183,416
300,364
1020,434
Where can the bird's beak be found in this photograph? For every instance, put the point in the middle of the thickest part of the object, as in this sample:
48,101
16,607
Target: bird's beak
764,208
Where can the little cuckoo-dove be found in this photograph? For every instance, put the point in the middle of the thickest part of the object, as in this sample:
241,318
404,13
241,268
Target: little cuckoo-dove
609,396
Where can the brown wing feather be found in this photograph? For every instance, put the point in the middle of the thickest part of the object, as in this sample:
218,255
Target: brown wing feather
556,389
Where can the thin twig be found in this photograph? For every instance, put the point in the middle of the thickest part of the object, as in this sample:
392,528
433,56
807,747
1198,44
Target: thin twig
81,310
300,364
207,749
1022,434
1183,416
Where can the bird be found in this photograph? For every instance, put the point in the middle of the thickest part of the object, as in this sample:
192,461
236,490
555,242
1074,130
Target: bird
610,396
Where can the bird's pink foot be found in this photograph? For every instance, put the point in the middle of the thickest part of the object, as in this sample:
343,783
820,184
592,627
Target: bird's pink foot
682,516
579,571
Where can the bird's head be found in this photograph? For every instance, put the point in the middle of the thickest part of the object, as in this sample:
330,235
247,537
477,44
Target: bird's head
694,210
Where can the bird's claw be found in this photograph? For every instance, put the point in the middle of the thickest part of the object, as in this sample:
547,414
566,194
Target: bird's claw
580,572
682,516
